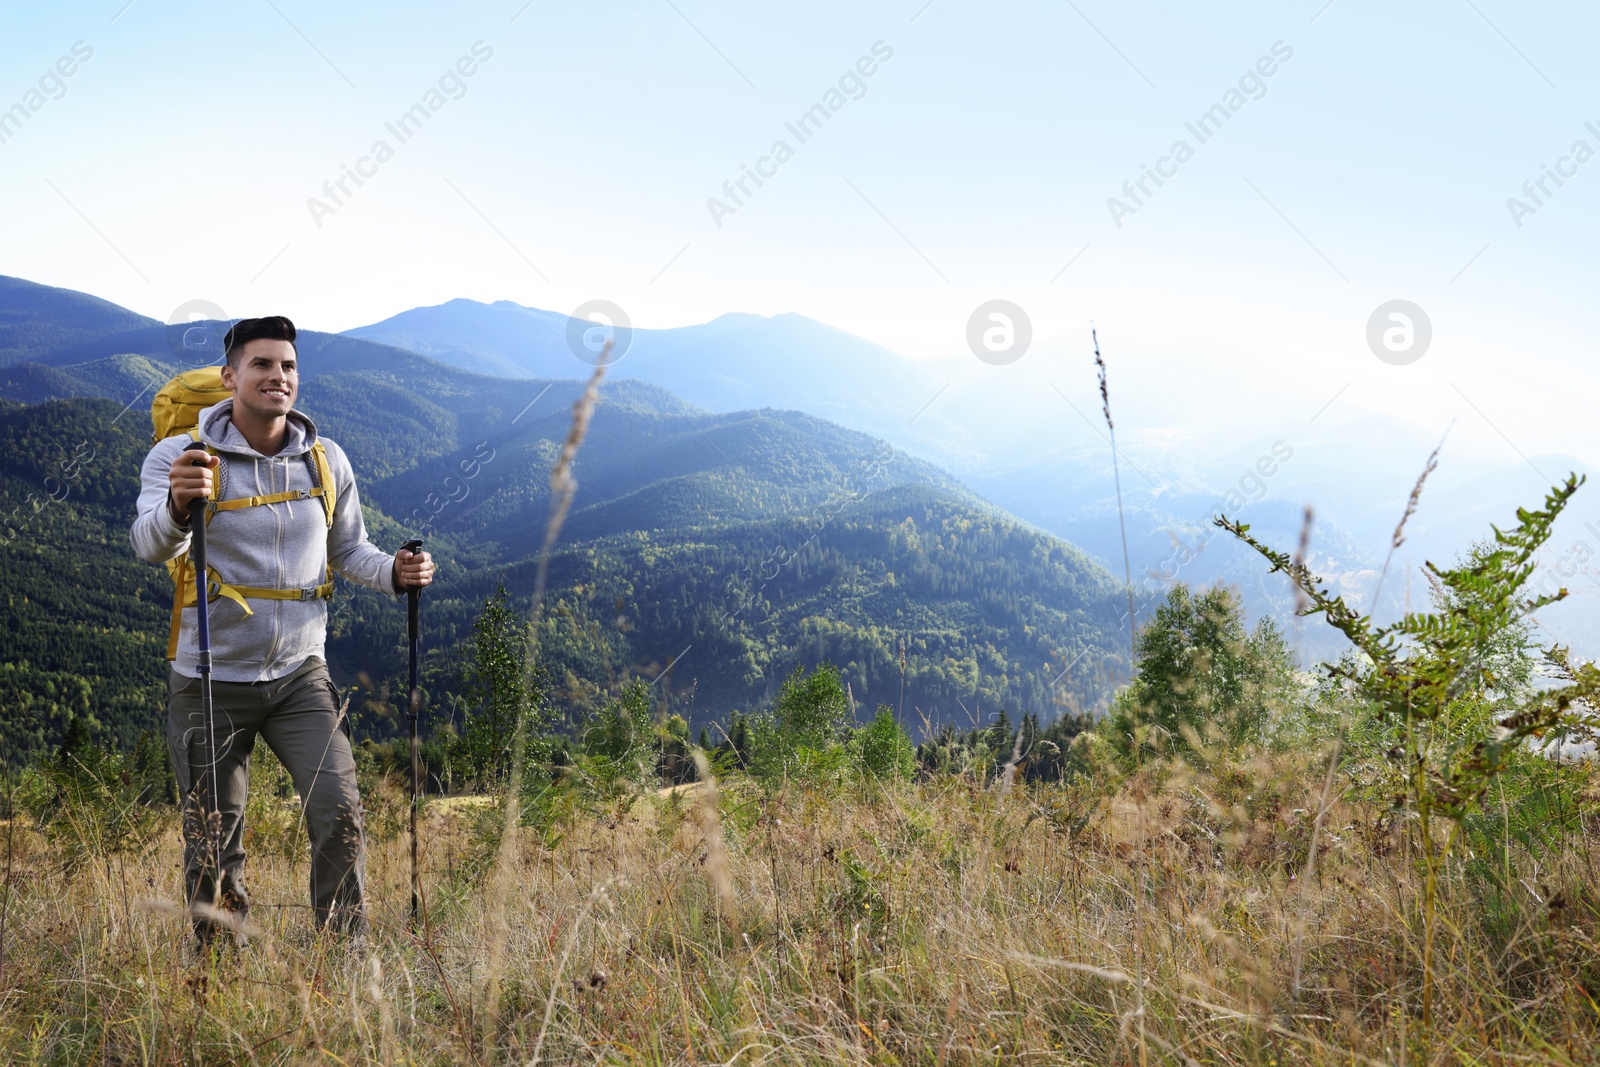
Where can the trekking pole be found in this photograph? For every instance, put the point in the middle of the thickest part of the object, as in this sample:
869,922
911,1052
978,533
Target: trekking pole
413,601
197,559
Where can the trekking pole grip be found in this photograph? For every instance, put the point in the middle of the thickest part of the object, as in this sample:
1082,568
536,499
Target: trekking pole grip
413,594
197,552
197,510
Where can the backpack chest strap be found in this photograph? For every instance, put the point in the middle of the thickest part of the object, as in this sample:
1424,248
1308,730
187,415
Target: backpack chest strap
318,459
271,498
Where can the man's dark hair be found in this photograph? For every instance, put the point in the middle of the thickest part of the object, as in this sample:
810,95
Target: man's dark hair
273,328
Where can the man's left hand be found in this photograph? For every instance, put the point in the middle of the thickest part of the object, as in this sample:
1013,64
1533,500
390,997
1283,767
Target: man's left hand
412,570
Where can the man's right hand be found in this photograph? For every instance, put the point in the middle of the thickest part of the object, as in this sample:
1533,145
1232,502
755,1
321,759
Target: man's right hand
187,482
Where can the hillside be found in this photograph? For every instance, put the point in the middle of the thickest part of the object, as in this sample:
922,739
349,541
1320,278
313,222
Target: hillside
728,547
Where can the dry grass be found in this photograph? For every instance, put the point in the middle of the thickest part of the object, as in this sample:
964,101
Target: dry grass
943,924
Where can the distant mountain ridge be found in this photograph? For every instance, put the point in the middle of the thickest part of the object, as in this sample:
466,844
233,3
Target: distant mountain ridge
41,318
998,429
733,362
509,341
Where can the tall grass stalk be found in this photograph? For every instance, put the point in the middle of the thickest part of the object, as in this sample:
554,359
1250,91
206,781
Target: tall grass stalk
563,487
1302,603
717,866
1116,477
11,852
1399,536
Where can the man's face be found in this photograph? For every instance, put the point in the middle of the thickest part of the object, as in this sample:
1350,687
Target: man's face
267,379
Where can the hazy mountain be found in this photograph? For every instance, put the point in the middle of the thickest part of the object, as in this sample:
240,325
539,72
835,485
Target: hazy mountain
503,339
733,362
1029,437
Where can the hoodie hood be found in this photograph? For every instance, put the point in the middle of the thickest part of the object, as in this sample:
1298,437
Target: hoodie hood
216,429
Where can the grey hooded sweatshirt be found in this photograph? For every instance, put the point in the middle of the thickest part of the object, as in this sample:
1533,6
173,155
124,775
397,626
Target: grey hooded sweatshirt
271,546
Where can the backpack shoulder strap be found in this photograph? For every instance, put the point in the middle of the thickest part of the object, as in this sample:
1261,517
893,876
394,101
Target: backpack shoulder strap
324,473
211,506
180,575
178,569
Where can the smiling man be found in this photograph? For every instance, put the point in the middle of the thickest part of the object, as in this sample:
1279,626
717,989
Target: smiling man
283,515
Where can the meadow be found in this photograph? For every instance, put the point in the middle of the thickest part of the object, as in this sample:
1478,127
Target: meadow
1165,917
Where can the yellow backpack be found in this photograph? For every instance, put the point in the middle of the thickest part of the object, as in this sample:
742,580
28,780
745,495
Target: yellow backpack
176,410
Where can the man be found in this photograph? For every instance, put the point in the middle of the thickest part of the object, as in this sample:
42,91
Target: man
269,675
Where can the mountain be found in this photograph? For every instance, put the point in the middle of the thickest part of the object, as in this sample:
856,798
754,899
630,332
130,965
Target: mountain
707,552
734,362
503,339
38,318
1028,437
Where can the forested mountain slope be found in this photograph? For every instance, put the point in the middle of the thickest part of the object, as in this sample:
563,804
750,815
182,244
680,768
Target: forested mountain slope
710,553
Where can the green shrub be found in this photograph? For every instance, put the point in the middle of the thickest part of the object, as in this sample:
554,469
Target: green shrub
882,750
619,743
91,802
802,736
1203,678
272,825
675,764
504,699
1445,686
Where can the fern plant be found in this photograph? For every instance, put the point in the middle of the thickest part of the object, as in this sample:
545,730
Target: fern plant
1425,674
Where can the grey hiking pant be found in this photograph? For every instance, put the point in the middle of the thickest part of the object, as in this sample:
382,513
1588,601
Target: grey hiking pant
297,716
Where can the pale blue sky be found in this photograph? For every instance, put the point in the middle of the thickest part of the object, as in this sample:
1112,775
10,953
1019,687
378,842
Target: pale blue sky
976,165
